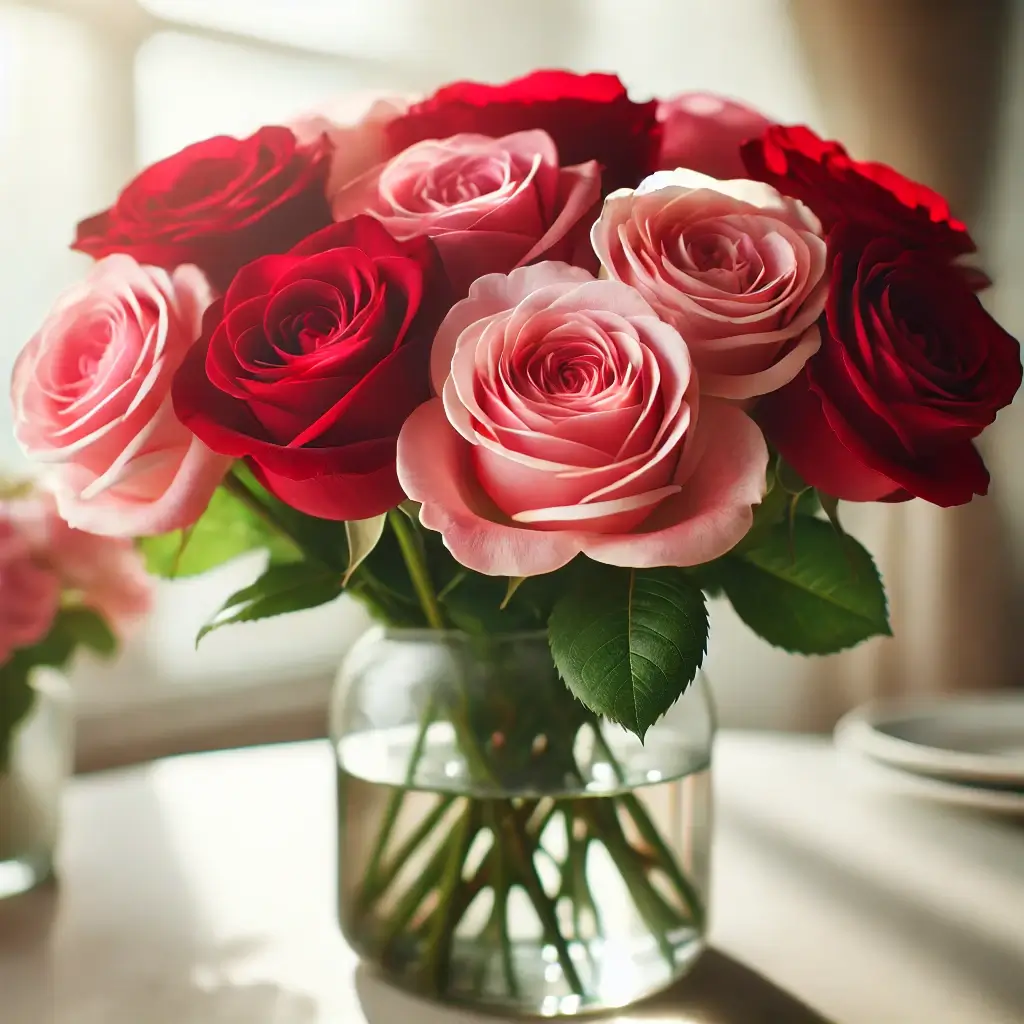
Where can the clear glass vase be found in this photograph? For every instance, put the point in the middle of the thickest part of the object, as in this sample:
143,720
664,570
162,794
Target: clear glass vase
502,848
35,762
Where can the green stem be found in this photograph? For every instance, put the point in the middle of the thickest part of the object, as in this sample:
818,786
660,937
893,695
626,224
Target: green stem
482,878
501,895
393,809
236,487
666,859
650,834
417,566
420,577
652,908
437,958
379,879
426,881
576,871
539,898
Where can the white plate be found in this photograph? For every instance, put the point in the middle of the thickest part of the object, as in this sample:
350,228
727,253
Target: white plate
965,795
977,739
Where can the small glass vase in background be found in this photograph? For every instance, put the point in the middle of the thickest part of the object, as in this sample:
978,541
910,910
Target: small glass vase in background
499,846
35,762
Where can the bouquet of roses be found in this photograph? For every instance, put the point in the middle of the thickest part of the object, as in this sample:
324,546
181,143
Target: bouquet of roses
524,357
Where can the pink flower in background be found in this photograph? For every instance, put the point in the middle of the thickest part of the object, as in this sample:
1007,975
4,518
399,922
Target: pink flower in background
569,423
738,269
106,574
705,132
29,592
91,397
356,125
489,204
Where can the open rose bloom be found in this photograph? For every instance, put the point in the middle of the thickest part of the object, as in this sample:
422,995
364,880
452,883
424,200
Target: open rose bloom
512,360
570,420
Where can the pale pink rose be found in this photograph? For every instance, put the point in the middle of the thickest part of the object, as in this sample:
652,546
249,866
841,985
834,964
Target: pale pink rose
29,592
489,204
91,398
106,574
736,268
356,124
704,133
569,423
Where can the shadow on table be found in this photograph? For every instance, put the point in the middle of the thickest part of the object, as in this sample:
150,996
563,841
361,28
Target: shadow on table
719,990
958,948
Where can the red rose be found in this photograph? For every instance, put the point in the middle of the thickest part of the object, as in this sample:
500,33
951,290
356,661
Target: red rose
704,132
589,117
312,361
911,368
841,190
218,204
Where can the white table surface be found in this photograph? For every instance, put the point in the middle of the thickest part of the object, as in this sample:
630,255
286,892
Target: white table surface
200,890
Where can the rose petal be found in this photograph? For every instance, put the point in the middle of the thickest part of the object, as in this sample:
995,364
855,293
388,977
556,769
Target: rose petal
431,468
714,509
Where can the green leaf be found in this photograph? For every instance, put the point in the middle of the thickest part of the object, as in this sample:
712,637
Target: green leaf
72,628
816,593
788,478
628,642
291,587
227,529
808,504
86,628
363,536
770,511
411,509
321,540
16,699
514,583
830,506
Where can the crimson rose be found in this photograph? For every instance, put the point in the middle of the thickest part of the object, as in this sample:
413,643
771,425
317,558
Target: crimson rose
589,117
911,368
840,189
218,204
312,361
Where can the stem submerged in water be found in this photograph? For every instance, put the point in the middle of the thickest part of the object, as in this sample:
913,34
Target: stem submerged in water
416,896
418,932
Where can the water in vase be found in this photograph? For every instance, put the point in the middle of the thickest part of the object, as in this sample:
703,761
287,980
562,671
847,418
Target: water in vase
550,902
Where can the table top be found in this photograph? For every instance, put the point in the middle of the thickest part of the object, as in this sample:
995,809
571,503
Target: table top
199,890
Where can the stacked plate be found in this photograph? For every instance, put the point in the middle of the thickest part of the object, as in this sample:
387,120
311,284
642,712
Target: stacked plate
967,751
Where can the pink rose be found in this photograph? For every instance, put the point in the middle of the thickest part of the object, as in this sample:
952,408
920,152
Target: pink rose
29,592
106,574
489,204
356,125
737,268
705,132
569,423
91,397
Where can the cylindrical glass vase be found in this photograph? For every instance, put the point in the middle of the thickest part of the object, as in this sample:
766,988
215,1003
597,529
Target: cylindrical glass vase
499,846
35,762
